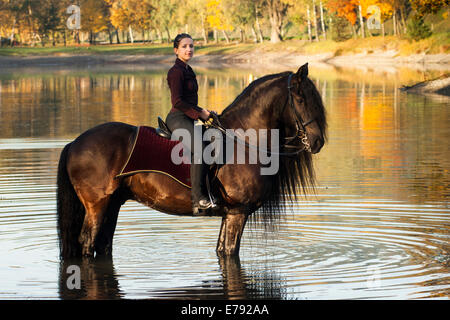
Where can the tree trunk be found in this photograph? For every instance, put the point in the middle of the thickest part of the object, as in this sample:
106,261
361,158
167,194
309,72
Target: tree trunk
159,34
315,21
309,23
110,36
402,15
130,30
30,14
169,39
254,34
322,21
394,22
13,30
117,36
258,26
227,39
242,35
353,30
204,33
77,37
361,21
276,21
330,23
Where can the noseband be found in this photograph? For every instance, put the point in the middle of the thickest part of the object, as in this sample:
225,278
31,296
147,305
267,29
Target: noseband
300,125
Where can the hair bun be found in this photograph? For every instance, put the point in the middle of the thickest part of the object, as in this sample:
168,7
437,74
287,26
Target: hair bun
179,37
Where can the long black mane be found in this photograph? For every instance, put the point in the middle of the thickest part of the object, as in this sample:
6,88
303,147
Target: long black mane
296,174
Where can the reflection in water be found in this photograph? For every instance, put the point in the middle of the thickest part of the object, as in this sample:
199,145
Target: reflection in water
378,227
98,280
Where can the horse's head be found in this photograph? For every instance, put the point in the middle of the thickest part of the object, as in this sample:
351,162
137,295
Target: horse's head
304,115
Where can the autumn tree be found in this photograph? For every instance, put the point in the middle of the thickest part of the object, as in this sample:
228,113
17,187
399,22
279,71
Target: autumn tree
219,17
345,9
242,15
164,16
424,7
94,17
198,13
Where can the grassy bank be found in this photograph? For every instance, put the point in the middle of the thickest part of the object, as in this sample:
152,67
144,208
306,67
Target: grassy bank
436,44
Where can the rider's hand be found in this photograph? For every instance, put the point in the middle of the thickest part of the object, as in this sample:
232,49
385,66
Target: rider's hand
204,115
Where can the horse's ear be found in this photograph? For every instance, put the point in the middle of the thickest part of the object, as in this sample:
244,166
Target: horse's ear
302,72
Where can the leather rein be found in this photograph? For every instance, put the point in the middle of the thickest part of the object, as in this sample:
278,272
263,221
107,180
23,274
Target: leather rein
300,134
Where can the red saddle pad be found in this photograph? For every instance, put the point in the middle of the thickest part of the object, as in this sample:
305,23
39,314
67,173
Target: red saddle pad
151,153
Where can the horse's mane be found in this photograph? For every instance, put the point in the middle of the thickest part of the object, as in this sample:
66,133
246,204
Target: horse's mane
296,174
239,103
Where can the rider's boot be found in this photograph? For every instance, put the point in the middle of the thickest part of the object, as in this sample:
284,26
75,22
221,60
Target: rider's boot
200,202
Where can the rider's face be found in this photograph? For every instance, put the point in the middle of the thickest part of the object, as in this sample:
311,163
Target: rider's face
185,49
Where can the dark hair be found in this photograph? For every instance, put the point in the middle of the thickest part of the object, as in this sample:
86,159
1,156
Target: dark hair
179,37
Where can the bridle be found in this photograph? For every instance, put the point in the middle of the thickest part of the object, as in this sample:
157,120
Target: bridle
299,124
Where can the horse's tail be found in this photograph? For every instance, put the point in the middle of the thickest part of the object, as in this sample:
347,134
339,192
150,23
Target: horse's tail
70,211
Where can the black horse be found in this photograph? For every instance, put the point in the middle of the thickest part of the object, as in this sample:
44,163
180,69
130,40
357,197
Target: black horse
89,197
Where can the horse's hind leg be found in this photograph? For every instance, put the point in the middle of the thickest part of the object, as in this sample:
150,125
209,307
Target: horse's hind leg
104,241
93,220
231,230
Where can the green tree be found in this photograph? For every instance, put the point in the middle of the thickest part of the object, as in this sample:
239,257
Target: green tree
164,16
417,29
277,12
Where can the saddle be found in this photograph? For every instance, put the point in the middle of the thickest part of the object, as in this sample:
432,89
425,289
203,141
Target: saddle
156,141
163,130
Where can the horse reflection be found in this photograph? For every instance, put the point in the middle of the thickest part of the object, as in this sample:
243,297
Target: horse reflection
98,280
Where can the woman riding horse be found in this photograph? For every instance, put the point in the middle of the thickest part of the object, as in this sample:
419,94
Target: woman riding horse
90,193
183,88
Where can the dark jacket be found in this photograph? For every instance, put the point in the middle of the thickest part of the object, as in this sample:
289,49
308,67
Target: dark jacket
184,89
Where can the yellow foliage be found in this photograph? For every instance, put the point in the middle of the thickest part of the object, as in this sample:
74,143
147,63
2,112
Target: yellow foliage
216,17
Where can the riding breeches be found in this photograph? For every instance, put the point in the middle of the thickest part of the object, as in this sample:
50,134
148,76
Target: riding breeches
178,120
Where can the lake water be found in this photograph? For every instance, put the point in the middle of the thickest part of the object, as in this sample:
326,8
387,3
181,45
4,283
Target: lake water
377,227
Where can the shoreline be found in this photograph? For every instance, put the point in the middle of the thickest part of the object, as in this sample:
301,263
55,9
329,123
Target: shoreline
385,59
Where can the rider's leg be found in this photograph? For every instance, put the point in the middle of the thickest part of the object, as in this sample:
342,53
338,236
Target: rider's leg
176,120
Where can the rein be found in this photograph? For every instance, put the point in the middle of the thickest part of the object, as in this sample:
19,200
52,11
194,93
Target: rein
300,127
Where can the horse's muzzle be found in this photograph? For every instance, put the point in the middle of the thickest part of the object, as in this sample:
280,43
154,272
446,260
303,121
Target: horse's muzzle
317,145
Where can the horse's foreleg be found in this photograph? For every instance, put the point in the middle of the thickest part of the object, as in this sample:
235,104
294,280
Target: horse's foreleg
93,221
230,234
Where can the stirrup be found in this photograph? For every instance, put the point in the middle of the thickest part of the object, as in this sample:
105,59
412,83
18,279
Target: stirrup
199,209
